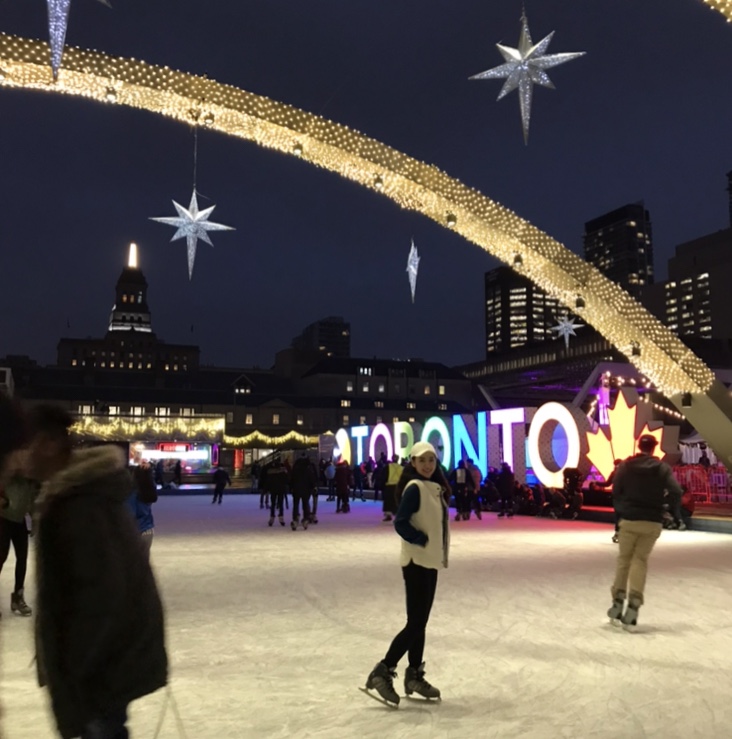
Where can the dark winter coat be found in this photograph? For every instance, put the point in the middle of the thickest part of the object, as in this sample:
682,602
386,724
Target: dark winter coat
221,478
505,482
343,479
275,481
99,629
639,489
303,478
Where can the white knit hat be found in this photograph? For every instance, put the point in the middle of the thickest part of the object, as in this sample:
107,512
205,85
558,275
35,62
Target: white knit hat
420,448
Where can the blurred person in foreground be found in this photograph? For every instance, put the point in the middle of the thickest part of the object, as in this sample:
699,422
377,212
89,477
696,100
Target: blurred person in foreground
99,630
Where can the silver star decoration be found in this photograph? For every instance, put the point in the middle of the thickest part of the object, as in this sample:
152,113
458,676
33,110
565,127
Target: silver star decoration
566,327
194,225
524,68
58,21
413,268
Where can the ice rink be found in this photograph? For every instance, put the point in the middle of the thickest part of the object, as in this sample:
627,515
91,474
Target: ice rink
271,632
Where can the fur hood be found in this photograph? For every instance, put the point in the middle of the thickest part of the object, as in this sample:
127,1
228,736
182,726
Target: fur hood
86,467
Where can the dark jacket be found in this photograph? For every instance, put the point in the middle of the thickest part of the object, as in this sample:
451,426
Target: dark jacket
506,482
276,479
639,489
221,478
303,478
99,629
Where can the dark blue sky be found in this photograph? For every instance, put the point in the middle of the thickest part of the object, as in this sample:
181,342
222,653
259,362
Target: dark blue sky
645,114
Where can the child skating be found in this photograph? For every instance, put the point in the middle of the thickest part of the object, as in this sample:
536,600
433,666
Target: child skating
422,522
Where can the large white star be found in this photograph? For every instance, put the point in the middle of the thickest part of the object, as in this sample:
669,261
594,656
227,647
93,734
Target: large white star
524,68
58,22
194,225
413,268
566,327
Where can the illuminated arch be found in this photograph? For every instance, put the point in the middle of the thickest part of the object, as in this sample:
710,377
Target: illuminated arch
414,185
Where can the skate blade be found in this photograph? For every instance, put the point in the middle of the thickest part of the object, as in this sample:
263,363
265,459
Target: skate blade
616,622
630,628
423,699
379,699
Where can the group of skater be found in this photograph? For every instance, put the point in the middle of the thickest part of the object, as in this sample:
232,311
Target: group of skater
97,598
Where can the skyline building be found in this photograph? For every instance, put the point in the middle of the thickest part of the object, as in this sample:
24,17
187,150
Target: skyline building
620,245
331,336
517,312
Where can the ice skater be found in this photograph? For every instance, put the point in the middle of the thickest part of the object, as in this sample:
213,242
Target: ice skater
275,483
506,483
422,520
220,480
17,497
639,489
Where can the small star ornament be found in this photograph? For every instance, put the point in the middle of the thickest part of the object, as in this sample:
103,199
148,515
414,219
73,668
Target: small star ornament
566,327
413,268
524,68
193,225
58,22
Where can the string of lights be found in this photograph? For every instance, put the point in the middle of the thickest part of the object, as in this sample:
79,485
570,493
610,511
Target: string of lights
723,6
257,438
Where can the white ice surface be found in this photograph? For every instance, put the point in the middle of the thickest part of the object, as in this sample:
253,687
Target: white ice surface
271,632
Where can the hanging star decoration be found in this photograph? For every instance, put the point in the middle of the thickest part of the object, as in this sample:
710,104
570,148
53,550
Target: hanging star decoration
566,327
193,224
58,22
413,268
524,68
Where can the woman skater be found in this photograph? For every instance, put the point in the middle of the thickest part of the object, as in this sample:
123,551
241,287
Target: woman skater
422,522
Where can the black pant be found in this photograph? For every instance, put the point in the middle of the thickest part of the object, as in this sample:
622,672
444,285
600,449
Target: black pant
277,500
296,498
390,505
17,533
420,584
219,492
507,503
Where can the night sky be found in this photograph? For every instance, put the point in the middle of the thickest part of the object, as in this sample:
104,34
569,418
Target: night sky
646,114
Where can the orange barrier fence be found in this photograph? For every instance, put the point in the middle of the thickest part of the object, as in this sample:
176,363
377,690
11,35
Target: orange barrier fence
707,484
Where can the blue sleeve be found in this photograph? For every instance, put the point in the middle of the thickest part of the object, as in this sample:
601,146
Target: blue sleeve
408,506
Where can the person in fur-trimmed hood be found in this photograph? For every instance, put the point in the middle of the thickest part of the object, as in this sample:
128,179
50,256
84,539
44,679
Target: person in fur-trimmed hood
99,631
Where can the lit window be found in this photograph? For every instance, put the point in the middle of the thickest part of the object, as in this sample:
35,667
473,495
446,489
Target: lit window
349,387
442,406
411,419
345,420
365,387
345,403
381,387
300,421
395,419
275,419
427,390
73,363
441,390
111,364
411,406
249,419
167,367
362,420
85,409
114,410
378,404
137,410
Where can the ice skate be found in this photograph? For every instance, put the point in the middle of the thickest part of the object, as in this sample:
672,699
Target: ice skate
414,682
501,514
294,524
282,520
479,515
387,517
18,604
457,516
615,538
616,609
381,680
313,520
629,619
305,523
271,521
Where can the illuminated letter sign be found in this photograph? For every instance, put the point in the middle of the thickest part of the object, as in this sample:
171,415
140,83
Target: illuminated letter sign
359,433
436,425
381,431
462,439
403,429
343,446
506,418
544,424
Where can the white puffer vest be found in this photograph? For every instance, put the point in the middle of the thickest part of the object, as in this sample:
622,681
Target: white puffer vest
432,518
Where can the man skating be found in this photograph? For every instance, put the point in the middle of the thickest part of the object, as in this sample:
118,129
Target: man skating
639,489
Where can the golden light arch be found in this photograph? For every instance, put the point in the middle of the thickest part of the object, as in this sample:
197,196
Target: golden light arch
414,185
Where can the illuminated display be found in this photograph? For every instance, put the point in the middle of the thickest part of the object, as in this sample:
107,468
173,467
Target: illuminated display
559,437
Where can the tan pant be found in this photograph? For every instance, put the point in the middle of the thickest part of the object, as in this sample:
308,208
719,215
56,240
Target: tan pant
635,543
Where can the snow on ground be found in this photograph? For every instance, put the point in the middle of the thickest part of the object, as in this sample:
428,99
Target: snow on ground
271,632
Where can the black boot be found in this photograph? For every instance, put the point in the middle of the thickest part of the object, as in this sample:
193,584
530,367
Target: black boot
381,680
414,682
18,604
